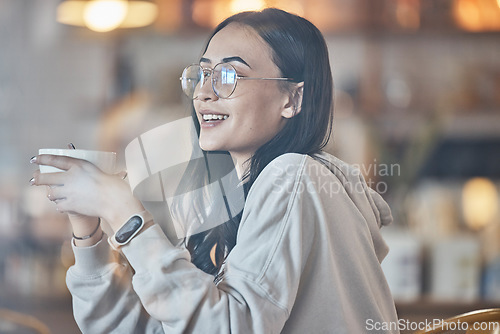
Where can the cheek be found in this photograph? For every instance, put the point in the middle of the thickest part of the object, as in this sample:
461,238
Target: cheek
258,119
267,108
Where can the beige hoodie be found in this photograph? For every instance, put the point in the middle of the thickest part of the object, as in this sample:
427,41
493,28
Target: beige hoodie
307,260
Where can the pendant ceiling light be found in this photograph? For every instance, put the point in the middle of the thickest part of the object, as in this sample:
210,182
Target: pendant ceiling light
106,15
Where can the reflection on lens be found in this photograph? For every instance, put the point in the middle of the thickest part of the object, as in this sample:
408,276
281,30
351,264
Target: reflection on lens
224,80
191,77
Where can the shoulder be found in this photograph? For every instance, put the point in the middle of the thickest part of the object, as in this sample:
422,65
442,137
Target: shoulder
282,172
287,170
341,170
285,162
319,165
291,167
277,182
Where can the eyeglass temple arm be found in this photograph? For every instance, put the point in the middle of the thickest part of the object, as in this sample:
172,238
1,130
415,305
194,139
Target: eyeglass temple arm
248,78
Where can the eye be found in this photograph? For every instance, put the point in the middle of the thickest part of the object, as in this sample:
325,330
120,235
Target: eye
237,68
205,66
241,74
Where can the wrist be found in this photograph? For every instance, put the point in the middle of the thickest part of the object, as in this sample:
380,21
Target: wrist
83,225
90,241
83,238
116,217
88,236
80,221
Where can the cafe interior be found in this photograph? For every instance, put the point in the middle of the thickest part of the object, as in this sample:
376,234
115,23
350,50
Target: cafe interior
417,110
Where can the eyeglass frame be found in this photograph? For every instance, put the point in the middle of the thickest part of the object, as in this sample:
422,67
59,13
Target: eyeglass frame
237,77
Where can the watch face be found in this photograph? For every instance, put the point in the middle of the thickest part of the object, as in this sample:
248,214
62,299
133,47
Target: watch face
128,229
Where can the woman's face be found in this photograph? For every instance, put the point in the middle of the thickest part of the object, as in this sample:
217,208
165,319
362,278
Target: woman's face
256,110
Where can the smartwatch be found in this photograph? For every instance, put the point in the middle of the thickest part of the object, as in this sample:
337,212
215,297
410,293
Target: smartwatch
135,224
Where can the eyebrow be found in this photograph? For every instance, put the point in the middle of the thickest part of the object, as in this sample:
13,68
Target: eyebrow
226,60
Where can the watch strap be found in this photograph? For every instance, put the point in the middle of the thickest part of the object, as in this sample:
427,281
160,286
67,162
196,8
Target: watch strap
128,231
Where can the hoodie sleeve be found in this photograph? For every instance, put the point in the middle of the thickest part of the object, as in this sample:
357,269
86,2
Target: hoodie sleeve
103,298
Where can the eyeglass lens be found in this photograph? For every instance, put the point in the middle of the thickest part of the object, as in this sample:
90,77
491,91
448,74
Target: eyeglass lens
223,80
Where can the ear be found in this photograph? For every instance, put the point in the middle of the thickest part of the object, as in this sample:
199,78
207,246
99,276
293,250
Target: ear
293,105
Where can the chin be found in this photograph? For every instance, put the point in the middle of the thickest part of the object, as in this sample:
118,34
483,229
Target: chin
210,146
210,141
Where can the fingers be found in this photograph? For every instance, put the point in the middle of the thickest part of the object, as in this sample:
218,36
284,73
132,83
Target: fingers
56,194
58,161
47,179
62,185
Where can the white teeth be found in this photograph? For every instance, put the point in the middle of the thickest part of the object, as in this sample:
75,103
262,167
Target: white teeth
208,117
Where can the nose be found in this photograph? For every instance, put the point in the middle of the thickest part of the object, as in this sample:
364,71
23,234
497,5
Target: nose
206,91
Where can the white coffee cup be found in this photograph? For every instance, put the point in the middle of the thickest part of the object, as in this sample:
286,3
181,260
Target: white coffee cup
105,161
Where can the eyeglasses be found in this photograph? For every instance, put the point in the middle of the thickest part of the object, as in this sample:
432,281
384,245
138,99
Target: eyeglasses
223,75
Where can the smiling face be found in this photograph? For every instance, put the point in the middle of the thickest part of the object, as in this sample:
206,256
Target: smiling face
256,111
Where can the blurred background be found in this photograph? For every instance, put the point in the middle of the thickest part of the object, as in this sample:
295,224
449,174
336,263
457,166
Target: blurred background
417,86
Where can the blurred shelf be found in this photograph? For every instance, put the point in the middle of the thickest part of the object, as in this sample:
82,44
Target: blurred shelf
420,33
427,308
55,312
28,303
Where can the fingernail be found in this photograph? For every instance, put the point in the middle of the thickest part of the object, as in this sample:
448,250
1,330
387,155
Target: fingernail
33,160
32,181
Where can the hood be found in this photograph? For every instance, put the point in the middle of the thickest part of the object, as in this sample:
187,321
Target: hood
371,205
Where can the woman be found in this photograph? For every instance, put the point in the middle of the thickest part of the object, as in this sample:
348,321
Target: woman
304,254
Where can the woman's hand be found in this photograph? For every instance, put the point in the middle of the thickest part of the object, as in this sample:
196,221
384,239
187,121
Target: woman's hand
84,189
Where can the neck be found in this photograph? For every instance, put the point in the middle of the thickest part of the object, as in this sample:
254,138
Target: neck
241,163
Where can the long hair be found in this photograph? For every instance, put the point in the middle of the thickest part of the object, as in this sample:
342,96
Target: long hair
300,52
